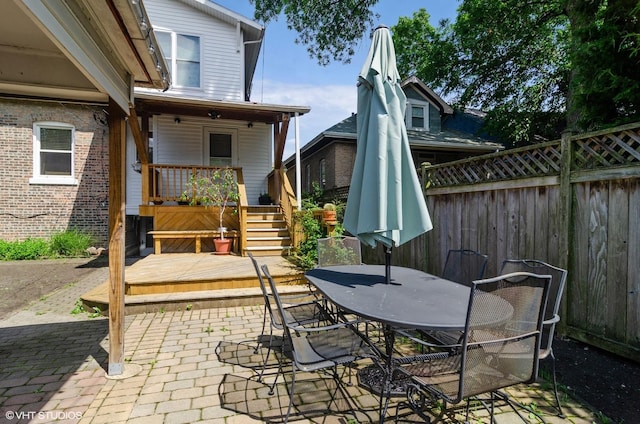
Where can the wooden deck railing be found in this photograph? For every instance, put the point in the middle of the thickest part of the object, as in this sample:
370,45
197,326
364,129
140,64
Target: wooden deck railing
167,183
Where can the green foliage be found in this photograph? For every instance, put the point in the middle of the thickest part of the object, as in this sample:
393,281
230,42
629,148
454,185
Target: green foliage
329,207
30,248
217,189
337,253
313,198
330,29
70,243
306,256
78,307
537,67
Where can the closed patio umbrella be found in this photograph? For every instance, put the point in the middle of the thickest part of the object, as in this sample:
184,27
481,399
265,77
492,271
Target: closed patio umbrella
385,203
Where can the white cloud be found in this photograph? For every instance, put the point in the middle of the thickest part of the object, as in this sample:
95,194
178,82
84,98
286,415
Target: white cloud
329,105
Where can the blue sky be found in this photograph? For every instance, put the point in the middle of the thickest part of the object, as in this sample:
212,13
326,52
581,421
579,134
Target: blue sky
287,75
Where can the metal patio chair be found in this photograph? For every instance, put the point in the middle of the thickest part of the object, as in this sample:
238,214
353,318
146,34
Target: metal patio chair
551,317
481,363
462,266
320,347
300,310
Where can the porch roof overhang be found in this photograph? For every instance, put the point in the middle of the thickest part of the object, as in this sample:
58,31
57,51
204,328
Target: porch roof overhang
154,104
80,50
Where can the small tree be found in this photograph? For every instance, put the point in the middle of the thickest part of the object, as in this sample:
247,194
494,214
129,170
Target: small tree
218,189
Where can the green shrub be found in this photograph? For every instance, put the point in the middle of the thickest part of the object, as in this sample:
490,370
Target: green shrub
30,248
306,256
70,243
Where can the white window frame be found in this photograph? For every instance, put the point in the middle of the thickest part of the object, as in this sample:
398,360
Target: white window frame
323,173
411,103
234,144
38,178
173,61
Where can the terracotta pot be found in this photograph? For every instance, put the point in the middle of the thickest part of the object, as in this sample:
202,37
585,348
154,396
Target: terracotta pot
329,216
223,246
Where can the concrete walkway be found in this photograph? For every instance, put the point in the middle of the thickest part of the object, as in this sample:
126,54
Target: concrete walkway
190,366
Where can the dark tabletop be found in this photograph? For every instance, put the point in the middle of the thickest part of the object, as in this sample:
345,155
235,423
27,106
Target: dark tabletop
413,298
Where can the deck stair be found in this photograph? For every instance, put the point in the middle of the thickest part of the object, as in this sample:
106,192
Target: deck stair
181,281
267,233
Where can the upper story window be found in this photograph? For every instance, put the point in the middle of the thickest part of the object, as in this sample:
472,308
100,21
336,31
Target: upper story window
417,115
182,54
53,153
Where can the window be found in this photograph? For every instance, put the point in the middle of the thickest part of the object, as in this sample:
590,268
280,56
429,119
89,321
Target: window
53,154
417,115
307,178
323,174
220,147
182,54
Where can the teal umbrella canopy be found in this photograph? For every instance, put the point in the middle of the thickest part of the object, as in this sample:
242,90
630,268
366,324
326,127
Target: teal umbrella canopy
385,204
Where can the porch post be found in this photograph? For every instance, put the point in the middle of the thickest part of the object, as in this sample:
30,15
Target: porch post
298,164
117,156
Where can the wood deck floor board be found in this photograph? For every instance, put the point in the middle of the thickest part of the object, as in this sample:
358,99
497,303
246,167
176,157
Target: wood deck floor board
170,281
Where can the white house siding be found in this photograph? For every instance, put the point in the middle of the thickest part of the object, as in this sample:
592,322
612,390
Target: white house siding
254,156
222,71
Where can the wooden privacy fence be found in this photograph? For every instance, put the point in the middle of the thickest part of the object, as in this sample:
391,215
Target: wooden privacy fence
573,202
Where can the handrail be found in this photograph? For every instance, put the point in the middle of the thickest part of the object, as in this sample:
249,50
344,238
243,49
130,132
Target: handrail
288,201
242,208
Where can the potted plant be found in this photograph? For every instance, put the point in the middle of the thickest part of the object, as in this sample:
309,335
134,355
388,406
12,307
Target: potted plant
329,212
184,198
264,199
219,189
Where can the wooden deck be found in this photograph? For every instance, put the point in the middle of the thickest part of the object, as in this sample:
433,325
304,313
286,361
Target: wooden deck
181,281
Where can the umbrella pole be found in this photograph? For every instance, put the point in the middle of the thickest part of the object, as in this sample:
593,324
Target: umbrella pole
387,264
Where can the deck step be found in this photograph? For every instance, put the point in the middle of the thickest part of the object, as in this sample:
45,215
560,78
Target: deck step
267,233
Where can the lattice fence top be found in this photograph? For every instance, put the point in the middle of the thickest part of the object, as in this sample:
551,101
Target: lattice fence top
605,149
538,160
616,148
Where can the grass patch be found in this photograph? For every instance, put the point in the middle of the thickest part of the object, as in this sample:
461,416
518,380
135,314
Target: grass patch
63,244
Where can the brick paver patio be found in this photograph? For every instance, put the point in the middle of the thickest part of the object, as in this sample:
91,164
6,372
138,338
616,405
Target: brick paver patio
190,366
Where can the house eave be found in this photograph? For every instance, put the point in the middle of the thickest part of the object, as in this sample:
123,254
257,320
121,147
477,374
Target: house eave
77,49
221,109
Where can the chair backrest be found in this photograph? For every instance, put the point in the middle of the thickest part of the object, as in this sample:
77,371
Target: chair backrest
268,297
485,362
339,251
558,281
464,266
278,310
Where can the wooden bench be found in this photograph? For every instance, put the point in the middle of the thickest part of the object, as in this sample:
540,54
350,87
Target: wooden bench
197,235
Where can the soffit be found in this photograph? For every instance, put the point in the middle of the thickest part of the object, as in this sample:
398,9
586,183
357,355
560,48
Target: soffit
44,56
243,111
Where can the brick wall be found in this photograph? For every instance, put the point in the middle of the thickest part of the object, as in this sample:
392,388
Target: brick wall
38,210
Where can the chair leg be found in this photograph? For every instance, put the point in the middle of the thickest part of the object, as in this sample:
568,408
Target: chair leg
291,394
555,384
266,358
264,325
280,361
514,404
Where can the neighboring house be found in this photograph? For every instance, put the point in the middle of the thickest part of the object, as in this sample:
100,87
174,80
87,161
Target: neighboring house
436,134
205,120
67,70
